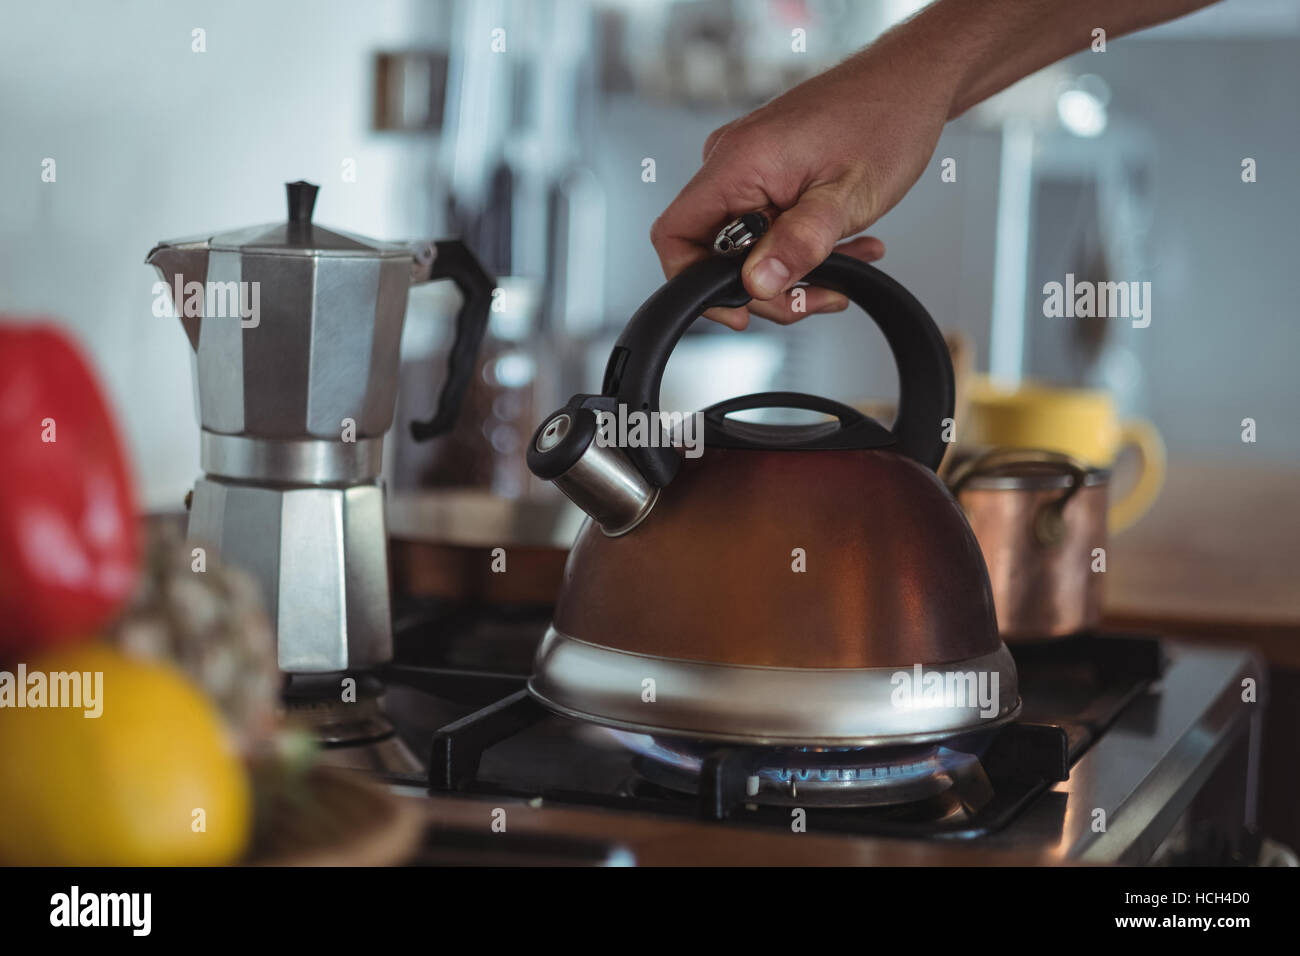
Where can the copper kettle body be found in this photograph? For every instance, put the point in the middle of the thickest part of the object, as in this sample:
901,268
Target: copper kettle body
808,584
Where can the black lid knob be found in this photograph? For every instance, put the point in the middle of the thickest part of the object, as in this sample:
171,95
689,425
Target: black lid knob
302,200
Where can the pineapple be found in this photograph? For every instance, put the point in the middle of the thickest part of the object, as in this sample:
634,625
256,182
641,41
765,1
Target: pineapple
211,624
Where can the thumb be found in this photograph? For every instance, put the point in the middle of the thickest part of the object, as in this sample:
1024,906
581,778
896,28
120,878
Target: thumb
799,241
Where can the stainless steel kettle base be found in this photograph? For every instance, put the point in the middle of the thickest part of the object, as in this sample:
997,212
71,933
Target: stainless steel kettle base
775,706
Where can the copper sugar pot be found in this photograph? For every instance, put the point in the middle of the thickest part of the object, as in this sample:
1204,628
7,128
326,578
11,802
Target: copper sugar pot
811,584
1040,519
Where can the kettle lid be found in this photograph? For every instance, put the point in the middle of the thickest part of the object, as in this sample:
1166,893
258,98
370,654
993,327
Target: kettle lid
299,236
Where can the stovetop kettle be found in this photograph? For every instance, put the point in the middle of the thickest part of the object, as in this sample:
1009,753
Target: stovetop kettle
810,584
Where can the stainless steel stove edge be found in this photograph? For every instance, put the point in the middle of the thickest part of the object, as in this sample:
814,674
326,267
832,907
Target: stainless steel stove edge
1143,772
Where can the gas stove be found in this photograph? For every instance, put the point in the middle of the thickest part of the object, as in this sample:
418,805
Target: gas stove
1129,748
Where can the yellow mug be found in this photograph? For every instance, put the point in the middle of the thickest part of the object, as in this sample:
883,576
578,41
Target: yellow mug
1079,422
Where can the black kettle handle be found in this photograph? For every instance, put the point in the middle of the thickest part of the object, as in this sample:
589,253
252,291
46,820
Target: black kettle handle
925,379
453,260
845,414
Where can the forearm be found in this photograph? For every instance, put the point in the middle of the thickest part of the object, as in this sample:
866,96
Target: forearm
835,153
975,48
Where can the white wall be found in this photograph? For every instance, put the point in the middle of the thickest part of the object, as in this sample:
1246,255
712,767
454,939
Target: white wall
1226,284
153,141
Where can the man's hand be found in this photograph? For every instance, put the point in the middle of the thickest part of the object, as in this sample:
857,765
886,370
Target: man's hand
830,157
823,161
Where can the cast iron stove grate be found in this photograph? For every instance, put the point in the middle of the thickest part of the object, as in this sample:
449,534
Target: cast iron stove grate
1072,689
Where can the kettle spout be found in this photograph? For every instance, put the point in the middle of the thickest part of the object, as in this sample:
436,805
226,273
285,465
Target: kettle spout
180,263
599,479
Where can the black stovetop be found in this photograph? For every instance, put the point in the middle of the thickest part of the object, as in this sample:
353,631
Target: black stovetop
456,693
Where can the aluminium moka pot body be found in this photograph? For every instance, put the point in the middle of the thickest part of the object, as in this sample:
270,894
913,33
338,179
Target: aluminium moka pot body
295,393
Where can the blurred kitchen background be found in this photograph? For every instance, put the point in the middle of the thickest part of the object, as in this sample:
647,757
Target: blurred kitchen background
1124,164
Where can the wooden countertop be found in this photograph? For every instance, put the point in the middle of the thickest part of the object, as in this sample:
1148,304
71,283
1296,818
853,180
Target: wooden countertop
1217,557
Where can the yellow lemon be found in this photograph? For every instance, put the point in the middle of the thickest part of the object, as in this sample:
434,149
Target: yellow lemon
153,780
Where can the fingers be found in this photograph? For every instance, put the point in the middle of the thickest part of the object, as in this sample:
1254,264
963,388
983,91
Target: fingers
712,140
685,231
802,302
791,307
718,193
674,233
800,240
799,303
784,309
866,248
737,319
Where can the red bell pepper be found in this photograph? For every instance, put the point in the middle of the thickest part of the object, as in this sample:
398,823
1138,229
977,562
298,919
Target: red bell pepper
69,541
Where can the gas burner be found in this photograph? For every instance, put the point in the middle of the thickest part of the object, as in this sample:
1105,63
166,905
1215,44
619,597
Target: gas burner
355,734
813,776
